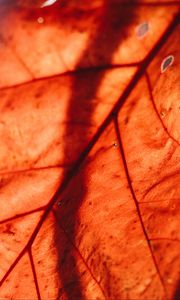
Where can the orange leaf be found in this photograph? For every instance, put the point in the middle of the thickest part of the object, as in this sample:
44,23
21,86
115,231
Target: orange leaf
89,153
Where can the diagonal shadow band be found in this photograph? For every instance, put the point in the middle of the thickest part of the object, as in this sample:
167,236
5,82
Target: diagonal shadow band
111,30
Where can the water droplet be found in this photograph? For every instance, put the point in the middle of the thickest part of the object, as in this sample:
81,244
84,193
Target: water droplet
142,29
48,3
166,63
40,20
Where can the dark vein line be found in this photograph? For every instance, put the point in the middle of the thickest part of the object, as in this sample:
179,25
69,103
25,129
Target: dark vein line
34,274
122,154
161,201
79,253
97,135
164,239
21,254
159,182
23,214
73,73
155,108
21,61
35,169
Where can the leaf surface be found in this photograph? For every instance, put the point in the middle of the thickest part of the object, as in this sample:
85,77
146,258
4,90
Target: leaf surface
89,151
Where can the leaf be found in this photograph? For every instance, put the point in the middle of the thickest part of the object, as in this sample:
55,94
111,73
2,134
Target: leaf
89,150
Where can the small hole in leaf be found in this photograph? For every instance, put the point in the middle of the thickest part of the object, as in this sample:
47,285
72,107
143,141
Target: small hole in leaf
142,29
115,144
166,63
163,113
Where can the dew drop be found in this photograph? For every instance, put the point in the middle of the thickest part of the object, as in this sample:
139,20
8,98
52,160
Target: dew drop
40,20
48,3
142,29
166,63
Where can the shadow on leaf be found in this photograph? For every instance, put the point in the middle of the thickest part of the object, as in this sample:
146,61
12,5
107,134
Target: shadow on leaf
112,28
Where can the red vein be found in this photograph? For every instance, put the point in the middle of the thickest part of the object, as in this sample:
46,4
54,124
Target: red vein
164,239
35,169
155,108
13,265
135,200
167,177
34,274
73,73
97,135
20,60
164,200
79,253
23,214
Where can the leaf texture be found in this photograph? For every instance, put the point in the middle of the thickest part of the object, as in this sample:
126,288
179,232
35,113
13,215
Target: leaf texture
89,168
